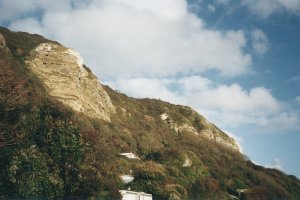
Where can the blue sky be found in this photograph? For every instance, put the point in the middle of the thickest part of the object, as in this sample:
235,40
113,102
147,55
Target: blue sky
236,62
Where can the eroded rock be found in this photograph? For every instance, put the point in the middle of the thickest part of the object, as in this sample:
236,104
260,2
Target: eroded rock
208,130
2,41
62,72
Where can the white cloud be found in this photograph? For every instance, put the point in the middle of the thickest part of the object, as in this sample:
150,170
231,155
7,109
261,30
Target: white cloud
298,99
211,8
29,23
294,80
266,8
283,121
239,140
143,87
193,84
260,41
15,9
223,1
291,5
121,38
277,164
234,98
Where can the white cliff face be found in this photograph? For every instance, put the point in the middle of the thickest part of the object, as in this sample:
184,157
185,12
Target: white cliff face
187,162
64,77
209,131
221,138
2,41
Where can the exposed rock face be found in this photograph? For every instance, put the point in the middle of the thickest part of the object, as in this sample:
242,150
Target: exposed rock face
208,130
221,138
2,41
61,71
187,162
165,117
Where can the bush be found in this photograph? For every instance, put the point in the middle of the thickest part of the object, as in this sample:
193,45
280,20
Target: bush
30,175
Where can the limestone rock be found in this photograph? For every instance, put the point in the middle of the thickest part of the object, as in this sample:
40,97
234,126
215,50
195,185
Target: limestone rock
208,130
221,138
127,178
62,72
187,127
2,41
130,155
187,162
165,117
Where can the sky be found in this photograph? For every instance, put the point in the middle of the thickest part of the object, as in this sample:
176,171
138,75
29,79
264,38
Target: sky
237,62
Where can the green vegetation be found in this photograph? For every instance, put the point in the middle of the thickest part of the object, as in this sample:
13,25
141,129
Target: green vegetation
48,151
43,161
21,43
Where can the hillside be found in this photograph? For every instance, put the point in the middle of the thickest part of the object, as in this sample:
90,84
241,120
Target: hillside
61,133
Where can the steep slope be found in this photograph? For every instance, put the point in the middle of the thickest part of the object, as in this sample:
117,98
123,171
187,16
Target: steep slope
65,78
62,72
61,133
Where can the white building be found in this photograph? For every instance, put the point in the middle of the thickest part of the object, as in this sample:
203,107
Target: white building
131,195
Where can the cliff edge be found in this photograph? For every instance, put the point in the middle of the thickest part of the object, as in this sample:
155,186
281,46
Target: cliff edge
66,79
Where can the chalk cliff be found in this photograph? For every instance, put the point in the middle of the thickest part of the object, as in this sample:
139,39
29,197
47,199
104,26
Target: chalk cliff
66,79
202,127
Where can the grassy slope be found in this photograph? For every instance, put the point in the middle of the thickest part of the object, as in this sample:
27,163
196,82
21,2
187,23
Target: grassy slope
217,171
32,127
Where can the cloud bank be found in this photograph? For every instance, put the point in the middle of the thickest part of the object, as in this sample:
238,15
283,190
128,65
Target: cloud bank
277,164
260,42
266,8
123,38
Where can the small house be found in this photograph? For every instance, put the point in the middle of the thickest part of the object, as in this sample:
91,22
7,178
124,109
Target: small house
131,195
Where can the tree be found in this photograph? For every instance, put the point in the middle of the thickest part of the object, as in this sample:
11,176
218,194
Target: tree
60,140
64,146
30,176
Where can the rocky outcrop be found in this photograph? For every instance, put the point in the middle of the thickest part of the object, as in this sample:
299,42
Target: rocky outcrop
3,46
2,41
221,138
207,130
187,162
66,79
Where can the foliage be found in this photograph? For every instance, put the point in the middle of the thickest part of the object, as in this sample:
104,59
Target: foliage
45,162
29,172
